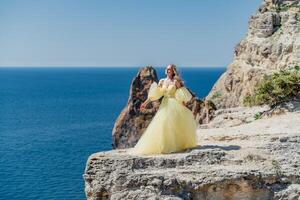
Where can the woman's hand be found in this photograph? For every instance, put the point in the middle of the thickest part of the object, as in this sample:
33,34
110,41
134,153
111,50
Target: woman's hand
143,105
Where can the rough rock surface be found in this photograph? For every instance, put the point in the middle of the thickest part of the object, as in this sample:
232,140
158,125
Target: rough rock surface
271,43
132,121
255,159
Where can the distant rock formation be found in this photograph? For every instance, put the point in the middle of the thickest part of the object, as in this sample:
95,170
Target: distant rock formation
272,43
132,122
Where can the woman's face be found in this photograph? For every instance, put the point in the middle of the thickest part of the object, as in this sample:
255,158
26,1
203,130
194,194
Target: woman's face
170,72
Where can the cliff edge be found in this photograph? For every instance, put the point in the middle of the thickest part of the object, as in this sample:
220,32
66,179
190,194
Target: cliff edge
251,159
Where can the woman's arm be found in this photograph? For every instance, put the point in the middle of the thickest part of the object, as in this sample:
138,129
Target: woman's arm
154,93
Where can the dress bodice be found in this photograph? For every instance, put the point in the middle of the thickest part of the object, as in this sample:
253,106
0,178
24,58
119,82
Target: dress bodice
169,90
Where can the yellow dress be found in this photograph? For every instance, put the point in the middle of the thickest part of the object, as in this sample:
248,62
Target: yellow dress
173,128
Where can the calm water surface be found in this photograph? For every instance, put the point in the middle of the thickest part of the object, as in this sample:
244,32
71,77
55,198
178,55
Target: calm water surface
52,119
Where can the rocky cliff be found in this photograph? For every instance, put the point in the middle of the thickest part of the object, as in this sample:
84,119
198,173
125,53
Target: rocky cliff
272,43
238,157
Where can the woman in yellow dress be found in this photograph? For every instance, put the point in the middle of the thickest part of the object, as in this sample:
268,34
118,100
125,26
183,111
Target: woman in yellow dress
173,128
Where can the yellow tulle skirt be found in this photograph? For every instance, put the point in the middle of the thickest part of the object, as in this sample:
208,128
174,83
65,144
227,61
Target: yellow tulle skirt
172,129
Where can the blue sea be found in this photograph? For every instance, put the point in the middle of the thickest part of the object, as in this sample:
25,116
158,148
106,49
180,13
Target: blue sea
52,119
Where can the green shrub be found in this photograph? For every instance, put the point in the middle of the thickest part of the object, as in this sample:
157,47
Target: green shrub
216,95
285,7
258,116
279,87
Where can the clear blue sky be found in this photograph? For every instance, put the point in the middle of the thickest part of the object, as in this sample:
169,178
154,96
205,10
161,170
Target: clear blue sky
122,33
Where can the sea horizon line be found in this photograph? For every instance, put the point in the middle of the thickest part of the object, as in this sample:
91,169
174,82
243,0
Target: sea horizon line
27,66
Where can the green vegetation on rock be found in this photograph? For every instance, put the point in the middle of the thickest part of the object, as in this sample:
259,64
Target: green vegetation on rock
258,116
285,7
277,88
216,95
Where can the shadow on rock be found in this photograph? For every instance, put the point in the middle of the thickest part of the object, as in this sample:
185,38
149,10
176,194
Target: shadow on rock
227,148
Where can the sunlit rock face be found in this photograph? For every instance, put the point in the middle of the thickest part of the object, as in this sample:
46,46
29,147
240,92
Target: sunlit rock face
271,43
